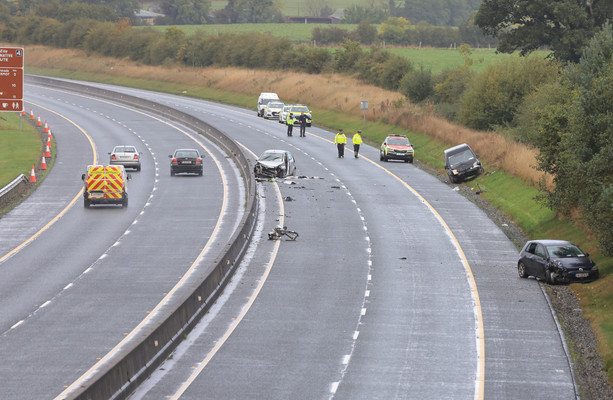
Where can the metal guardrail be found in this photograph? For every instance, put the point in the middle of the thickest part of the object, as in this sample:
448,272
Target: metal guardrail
14,183
132,365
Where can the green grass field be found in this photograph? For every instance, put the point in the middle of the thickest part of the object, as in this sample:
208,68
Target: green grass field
20,147
298,7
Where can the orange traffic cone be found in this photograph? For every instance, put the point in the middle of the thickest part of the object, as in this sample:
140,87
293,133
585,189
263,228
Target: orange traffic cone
32,175
46,127
31,114
23,112
47,150
49,136
43,164
39,123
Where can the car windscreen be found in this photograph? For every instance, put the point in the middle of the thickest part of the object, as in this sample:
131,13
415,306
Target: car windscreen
302,109
125,149
275,105
462,157
398,142
271,157
565,251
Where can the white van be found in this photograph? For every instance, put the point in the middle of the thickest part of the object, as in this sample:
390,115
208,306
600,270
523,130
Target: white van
264,98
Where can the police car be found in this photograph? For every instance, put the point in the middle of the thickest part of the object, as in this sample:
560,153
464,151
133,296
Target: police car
396,147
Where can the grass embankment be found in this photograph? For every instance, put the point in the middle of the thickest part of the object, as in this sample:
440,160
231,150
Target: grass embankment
20,147
335,102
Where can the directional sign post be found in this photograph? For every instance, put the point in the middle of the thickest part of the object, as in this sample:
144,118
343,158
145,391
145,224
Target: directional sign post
11,79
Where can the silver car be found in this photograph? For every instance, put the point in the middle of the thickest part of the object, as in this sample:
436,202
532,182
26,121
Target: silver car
273,109
275,164
125,155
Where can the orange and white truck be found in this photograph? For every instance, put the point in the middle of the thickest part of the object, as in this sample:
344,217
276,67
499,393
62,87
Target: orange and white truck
105,184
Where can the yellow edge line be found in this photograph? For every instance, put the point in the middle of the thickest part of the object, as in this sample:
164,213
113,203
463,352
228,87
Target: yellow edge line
61,213
480,379
134,332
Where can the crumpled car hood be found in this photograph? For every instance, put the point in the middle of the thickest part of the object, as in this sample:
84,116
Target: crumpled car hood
270,164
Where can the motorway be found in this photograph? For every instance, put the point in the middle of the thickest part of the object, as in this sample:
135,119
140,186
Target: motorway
398,286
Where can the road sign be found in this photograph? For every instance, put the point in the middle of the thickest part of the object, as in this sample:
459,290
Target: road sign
11,79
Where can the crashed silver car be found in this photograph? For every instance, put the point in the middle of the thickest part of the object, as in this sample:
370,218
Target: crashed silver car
275,164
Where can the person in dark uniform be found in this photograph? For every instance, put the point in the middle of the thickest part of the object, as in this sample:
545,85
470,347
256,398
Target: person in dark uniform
303,123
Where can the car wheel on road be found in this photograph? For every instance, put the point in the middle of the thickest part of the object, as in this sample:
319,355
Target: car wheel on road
86,203
172,173
521,270
124,203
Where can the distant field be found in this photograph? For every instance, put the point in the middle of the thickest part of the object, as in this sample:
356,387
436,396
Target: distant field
298,7
435,60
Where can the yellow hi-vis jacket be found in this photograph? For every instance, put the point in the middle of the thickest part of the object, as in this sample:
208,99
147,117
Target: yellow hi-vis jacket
356,139
291,120
340,138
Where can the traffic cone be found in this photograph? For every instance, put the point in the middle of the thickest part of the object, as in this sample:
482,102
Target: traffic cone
47,150
32,175
39,123
46,127
43,164
31,114
49,136
23,112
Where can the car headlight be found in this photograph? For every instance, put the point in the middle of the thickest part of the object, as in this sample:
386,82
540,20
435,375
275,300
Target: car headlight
476,164
454,171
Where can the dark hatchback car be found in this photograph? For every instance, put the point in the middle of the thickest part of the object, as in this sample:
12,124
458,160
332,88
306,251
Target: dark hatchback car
556,261
186,161
461,162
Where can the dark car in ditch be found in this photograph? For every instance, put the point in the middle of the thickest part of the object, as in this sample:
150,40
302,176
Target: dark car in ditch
461,162
556,261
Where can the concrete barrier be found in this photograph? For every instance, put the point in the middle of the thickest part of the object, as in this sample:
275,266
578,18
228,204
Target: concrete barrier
123,371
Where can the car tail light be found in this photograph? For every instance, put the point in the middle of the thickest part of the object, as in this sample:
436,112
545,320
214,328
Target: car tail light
198,160
174,161
136,156
113,157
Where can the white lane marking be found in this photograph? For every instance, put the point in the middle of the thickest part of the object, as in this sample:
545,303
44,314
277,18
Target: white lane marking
245,309
166,299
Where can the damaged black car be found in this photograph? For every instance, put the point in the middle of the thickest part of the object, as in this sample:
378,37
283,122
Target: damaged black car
461,162
556,261
275,164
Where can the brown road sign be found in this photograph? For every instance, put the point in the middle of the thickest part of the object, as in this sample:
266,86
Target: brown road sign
11,57
11,79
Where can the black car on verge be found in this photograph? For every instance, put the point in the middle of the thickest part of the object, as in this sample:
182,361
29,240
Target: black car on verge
461,162
186,160
556,261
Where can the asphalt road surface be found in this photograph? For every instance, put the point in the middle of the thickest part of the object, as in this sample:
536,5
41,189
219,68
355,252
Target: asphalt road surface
397,287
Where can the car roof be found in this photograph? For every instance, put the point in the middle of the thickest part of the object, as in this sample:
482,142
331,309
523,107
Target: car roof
458,148
552,242
186,150
274,151
397,136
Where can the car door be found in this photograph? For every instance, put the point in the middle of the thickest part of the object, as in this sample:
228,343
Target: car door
540,261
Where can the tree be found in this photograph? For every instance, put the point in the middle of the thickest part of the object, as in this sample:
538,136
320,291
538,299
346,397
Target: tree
356,14
574,139
185,12
493,97
393,29
254,11
563,25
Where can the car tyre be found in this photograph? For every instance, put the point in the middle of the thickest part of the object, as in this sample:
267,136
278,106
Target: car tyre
86,203
521,270
124,202
549,278
172,173
200,173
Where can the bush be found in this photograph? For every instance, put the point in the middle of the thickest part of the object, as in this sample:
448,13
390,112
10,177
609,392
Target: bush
417,85
493,97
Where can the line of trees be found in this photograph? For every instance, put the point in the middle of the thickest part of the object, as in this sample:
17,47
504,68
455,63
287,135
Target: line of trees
562,109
